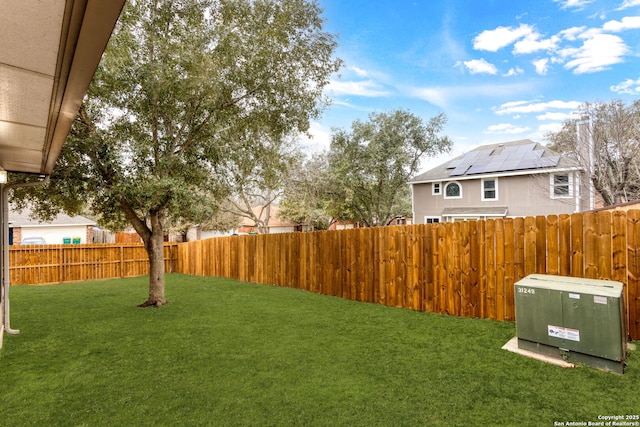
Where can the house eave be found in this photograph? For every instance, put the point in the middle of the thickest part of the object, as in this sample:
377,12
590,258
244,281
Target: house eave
498,174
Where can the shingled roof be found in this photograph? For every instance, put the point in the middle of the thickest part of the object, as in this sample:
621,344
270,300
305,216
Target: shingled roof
25,219
499,159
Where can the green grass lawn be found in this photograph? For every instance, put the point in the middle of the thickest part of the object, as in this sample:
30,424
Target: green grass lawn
229,353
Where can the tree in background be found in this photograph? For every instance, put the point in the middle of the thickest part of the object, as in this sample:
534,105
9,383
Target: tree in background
305,198
258,175
179,83
369,167
612,159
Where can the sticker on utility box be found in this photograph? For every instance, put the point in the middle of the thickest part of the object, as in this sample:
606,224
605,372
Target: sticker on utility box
598,299
563,333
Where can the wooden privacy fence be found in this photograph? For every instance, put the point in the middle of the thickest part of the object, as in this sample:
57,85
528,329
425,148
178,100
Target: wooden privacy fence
45,264
463,268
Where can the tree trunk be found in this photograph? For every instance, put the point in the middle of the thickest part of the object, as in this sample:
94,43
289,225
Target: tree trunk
153,238
155,250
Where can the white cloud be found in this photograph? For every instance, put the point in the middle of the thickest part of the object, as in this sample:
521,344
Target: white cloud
597,53
542,66
557,116
435,95
627,23
572,33
506,128
513,104
577,4
514,72
359,71
319,138
534,43
442,96
524,107
628,86
494,40
629,3
550,127
480,66
366,88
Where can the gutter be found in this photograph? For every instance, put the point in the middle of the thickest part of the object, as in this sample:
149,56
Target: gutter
497,174
6,277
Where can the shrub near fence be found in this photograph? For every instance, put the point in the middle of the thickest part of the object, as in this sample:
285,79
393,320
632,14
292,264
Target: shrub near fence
463,268
46,264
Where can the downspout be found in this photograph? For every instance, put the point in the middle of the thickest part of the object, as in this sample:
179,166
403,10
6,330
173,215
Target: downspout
6,277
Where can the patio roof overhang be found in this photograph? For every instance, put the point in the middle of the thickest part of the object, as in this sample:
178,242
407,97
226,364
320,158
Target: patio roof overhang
488,211
49,51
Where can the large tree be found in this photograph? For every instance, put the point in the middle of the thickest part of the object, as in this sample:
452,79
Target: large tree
180,81
370,166
605,140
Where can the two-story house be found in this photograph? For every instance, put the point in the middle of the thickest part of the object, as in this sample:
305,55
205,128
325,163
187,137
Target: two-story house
510,179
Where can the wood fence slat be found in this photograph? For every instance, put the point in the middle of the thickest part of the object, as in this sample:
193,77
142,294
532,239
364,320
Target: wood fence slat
482,269
632,288
530,245
509,268
500,270
541,245
465,269
448,284
490,293
431,260
564,245
619,246
553,250
441,281
604,244
590,245
474,268
456,272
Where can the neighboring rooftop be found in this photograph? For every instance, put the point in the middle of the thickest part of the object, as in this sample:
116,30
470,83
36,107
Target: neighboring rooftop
274,218
24,219
498,158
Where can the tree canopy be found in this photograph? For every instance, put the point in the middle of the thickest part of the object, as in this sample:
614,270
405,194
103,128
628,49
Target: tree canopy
608,147
369,167
184,88
258,178
306,197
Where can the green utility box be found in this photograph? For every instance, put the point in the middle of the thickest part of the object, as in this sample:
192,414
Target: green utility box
580,320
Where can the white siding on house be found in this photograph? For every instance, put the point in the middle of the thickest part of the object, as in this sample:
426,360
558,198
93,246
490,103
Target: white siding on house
522,195
54,235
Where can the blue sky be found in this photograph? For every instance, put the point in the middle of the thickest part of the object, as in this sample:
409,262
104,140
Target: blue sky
500,70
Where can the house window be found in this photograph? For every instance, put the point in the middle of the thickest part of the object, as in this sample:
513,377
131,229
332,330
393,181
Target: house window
431,219
489,189
453,190
436,188
561,186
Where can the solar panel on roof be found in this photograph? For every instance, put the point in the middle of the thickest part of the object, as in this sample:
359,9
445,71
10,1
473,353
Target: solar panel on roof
454,163
501,158
547,162
475,169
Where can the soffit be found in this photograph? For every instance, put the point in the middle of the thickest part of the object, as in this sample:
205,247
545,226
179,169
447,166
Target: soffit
49,51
